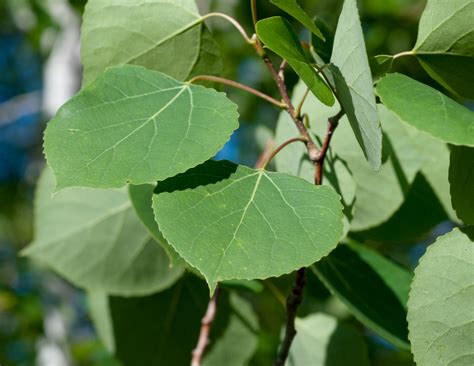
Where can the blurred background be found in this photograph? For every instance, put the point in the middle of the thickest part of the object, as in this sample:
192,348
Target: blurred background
43,319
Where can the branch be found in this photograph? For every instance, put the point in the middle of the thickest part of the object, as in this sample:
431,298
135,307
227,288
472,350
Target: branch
240,86
310,145
267,151
206,324
332,125
292,303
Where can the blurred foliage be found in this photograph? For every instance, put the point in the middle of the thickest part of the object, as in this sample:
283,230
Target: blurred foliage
28,292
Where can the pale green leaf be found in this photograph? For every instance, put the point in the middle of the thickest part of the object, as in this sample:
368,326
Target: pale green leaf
321,341
421,206
445,44
246,224
353,81
95,240
440,316
461,177
133,125
373,288
279,36
118,32
141,197
427,109
294,9
163,329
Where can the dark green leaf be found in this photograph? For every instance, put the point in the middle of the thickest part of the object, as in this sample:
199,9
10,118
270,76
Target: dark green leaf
163,329
243,223
380,65
133,125
278,35
461,177
373,288
353,81
427,109
141,197
95,240
294,9
440,316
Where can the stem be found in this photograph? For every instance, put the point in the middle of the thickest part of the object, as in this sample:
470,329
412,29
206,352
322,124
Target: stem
401,54
281,147
300,105
332,125
253,6
240,86
233,21
281,69
292,303
206,324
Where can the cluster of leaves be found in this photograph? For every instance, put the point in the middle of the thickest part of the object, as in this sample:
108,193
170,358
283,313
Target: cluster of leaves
141,248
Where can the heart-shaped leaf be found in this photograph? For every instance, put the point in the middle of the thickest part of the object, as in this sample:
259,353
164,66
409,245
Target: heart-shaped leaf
243,223
134,125
94,239
440,316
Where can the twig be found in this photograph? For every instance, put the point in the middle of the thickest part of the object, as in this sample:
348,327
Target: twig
301,103
240,86
267,151
231,20
281,69
292,303
332,125
281,147
206,324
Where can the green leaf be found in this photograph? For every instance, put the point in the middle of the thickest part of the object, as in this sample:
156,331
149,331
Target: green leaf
374,289
294,9
440,316
243,223
353,81
118,32
461,177
164,328
94,239
322,340
427,109
141,197
380,65
421,206
133,125
278,35
446,39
